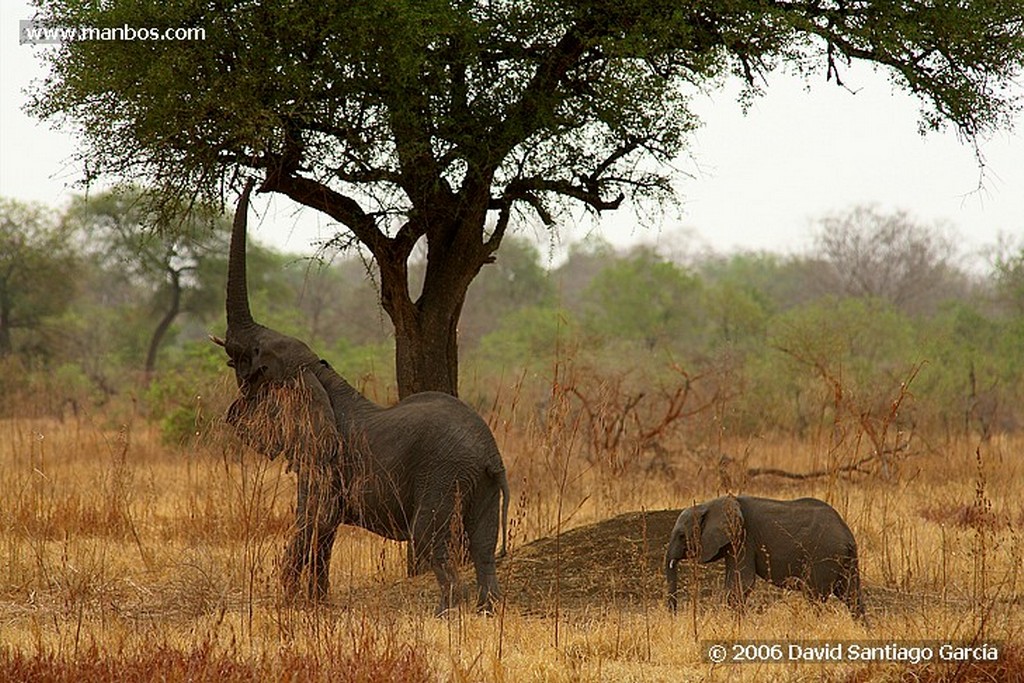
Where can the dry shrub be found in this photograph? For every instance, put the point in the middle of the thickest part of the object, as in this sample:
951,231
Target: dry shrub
627,419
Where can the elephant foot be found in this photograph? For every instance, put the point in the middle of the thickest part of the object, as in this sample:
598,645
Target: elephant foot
486,607
457,593
448,600
297,592
487,602
446,606
303,599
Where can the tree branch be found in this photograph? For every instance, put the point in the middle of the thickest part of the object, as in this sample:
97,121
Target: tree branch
540,94
343,209
526,189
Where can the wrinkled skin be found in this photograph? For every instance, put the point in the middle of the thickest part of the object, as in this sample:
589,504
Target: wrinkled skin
802,544
412,472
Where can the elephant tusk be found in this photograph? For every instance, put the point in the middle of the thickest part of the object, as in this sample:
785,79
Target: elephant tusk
672,563
216,340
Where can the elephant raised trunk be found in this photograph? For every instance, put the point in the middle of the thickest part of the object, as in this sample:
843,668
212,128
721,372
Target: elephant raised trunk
237,300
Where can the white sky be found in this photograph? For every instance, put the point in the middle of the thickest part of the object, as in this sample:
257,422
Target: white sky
756,181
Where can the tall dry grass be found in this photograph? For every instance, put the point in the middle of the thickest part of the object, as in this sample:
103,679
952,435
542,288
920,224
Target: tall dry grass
122,559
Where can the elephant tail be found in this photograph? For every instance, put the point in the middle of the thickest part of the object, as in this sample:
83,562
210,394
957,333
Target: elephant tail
503,484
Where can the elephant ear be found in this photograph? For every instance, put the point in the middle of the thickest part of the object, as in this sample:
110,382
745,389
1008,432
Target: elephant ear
722,526
292,417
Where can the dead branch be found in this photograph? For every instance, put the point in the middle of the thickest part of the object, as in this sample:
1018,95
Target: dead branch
857,467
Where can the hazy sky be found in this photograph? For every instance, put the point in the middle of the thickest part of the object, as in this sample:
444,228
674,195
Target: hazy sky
754,181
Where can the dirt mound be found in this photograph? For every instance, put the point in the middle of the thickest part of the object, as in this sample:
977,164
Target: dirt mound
617,561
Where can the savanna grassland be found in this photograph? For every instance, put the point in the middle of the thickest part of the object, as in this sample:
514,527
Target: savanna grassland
126,559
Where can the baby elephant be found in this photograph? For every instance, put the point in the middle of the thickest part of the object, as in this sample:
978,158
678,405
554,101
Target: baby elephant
792,543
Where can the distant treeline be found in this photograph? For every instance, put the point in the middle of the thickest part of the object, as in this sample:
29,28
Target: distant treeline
880,318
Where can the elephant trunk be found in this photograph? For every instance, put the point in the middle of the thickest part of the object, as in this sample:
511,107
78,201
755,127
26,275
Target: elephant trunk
237,302
672,576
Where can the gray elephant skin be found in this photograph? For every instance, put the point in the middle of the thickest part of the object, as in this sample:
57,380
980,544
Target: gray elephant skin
802,544
426,470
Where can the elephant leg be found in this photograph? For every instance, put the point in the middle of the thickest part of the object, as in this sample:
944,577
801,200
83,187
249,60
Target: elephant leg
298,547
431,536
308,556
417,551
410,547
740,575
481,524
444,570
291,566
447,581
848,590
323,544
488,591
818,580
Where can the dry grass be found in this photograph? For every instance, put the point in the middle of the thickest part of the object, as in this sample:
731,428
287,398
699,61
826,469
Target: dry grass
124,560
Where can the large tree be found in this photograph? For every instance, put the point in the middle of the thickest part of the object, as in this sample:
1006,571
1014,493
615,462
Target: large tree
448,120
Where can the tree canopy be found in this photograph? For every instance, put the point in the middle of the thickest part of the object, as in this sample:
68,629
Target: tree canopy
448,121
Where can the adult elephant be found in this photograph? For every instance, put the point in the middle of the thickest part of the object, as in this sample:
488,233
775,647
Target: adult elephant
415,471
800,543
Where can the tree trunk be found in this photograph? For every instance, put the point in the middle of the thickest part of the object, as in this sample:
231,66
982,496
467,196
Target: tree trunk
5,336
426,330
427,351
165,324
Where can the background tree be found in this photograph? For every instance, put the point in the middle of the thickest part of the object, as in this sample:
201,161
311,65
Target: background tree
446,121
37,273
166,264
585,260
643,298
517,280
888,256
742,291
340,299
1009,275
